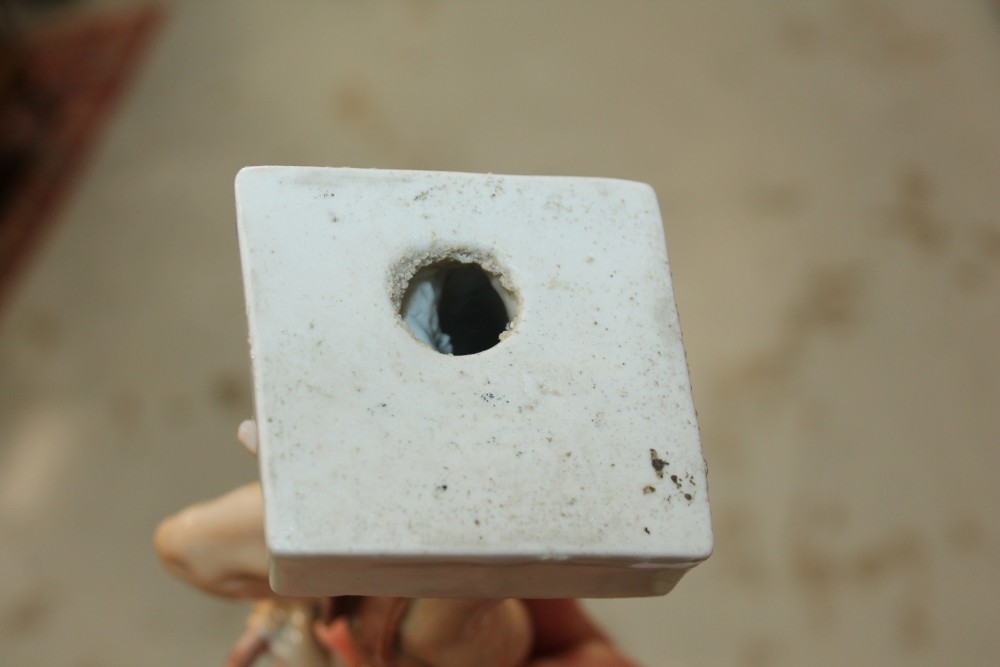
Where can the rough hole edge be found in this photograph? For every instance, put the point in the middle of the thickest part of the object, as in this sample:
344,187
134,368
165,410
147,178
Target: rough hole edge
403,270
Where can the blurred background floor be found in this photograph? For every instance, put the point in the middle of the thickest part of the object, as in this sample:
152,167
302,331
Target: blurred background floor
828,174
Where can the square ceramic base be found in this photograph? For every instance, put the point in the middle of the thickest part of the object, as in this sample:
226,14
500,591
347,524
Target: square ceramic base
562,462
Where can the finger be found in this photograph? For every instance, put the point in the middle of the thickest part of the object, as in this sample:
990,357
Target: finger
247,435
218,546
250,646
594,653
466,632
286,622
560,625
432,632
336,637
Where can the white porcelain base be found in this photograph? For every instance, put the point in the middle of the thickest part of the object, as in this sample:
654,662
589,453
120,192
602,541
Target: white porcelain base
563,462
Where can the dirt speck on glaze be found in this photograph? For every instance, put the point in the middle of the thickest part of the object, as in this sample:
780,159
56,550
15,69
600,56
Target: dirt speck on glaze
657,463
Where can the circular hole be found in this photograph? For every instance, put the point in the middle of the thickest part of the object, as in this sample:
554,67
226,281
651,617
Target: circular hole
457,307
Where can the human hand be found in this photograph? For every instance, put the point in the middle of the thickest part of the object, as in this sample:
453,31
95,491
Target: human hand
565,636
468,633
218,546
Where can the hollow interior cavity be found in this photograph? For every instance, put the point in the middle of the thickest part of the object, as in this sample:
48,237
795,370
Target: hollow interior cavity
457,308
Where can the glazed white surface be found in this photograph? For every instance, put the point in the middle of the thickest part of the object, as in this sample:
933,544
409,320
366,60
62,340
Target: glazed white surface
573,440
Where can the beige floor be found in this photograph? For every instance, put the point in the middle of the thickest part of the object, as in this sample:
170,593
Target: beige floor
829,174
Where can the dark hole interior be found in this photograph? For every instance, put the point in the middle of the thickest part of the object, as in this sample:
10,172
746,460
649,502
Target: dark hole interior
469,310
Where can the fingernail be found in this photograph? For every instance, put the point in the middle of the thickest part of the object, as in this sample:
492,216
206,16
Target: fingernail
247,435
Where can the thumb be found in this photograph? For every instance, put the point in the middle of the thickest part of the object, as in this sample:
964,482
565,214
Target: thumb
456,632
594,653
